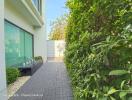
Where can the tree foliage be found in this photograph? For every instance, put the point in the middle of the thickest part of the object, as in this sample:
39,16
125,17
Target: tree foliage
58,28
99,49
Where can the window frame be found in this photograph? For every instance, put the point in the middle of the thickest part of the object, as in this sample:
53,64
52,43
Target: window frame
27,32
38,6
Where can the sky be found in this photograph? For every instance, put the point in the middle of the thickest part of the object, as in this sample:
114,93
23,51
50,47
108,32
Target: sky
54,9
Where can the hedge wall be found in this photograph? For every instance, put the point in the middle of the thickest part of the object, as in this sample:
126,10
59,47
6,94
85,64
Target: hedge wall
99,49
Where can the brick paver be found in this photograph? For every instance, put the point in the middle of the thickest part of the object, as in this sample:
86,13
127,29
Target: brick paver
50,82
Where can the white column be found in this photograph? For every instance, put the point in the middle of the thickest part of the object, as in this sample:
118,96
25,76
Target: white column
2,54
40,43
44,27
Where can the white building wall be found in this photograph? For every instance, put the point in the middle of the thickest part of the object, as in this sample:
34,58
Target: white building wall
40,43
14,16
55,48
2,54
8,12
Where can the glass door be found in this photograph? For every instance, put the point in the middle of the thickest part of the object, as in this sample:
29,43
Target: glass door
18,45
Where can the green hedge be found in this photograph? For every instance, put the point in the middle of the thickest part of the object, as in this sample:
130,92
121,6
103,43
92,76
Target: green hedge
12,74
38,58
99,49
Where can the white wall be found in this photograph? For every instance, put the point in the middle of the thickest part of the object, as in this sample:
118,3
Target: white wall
8,12
40,43
55,48
14,16
2,54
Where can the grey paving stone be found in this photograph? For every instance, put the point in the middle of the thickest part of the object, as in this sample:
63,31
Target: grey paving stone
50,82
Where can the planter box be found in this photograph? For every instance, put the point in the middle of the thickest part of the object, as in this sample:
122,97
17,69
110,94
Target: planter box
35,67
30,69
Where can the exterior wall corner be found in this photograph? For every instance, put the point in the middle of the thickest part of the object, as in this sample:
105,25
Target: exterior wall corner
3,93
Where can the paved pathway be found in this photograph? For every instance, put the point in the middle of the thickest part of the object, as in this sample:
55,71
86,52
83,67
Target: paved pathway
50,82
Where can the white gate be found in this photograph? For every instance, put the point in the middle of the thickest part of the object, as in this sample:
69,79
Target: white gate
55,48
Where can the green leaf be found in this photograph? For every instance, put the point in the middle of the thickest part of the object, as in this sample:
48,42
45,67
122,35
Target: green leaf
118,72
122,84
112,98
103,98
130,98
111,91
122,94
108,39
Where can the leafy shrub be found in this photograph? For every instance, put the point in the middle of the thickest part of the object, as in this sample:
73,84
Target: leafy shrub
12,74
38,58
98,52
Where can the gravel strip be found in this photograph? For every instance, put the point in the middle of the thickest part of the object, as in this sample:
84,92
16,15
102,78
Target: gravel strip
12,88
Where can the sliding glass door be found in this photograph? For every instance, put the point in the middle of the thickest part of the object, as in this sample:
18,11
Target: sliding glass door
28,46
18,45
